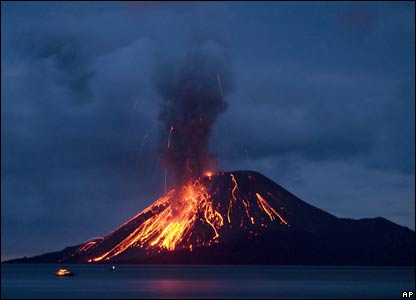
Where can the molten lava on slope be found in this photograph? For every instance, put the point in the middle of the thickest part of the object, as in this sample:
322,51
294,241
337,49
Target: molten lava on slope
241,217
202,213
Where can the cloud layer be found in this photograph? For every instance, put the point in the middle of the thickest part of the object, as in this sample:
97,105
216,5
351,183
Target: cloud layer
322,103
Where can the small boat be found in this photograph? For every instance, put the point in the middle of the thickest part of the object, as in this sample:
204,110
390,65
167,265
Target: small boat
64,272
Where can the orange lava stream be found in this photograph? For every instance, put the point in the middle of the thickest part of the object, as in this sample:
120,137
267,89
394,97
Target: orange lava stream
86,246
169,222
169,227
234,199
246,206
268,209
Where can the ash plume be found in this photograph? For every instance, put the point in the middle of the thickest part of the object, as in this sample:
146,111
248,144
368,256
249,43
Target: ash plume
192,91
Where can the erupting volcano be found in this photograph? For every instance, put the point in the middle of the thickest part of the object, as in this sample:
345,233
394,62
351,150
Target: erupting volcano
196,216
242,217
229,217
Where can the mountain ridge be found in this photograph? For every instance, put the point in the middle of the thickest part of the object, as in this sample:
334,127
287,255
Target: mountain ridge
242,217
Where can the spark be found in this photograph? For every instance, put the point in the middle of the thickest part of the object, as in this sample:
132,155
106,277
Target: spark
170,134
220,85
146,136
168,146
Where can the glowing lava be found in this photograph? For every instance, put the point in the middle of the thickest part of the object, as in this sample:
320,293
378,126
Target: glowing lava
208,174
187,219
172,221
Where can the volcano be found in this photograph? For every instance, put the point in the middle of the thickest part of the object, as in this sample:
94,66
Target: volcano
242,217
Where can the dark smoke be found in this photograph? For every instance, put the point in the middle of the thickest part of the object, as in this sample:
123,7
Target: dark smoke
192,101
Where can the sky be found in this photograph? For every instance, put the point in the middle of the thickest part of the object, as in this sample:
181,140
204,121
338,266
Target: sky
320,100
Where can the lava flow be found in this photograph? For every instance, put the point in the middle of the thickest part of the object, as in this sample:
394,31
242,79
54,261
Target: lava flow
200,210
195,216
267,225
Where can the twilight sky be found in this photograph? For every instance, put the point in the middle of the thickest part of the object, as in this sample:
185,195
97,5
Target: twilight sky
322,102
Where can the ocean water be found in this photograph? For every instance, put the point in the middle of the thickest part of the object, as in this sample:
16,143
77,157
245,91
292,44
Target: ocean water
160,281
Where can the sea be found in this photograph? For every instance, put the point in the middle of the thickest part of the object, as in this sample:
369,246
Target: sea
38,281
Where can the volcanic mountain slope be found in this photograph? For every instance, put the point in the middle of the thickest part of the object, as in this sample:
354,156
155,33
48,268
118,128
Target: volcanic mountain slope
242,217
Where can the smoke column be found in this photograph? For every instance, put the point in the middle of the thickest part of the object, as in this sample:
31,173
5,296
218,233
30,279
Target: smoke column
191,103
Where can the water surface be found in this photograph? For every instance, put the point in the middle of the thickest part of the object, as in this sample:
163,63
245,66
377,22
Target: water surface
138,281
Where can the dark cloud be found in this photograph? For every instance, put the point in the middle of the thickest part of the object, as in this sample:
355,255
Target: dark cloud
193,94
322,102
64,56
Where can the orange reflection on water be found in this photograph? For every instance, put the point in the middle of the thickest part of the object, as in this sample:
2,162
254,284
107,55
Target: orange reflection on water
168,288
